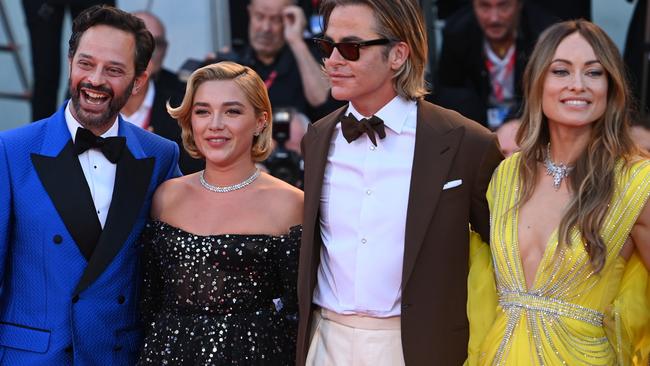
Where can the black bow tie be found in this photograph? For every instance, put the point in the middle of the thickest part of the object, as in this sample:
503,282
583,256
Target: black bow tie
111,147
353,128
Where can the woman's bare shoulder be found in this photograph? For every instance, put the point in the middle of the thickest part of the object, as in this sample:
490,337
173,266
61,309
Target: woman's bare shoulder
284,199
170,193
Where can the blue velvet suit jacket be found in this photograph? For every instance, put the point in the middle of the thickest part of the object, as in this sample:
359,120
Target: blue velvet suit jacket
67,296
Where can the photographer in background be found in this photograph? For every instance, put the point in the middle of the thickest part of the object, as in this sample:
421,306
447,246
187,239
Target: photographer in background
297,128
289,125
287,64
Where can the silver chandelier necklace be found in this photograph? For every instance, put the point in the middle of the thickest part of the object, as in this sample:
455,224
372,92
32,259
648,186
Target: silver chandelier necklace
226,189
558,171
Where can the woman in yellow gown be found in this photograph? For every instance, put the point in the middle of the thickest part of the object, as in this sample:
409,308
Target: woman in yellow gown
570,235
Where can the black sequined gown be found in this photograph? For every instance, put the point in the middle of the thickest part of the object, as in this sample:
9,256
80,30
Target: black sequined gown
209,300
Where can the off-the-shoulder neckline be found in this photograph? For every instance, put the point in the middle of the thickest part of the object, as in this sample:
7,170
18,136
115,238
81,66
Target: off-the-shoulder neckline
292,229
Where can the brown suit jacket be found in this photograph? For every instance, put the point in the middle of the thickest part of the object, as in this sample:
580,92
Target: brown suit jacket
434,279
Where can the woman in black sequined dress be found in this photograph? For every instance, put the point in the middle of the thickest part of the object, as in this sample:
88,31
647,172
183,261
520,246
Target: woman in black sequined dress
220,254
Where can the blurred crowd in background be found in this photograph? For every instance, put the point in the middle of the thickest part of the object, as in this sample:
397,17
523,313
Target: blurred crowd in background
475,69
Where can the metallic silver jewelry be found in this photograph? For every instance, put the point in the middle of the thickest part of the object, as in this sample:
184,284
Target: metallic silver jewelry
558,172
226,189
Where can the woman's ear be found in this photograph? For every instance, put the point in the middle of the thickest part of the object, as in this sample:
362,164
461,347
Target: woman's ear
262,121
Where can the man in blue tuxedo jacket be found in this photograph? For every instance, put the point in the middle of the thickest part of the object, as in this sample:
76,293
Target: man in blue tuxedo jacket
75,191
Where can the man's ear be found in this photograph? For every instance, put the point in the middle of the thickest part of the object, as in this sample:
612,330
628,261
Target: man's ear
398,55
140,80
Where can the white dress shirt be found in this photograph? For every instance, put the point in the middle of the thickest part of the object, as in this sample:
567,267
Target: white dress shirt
99,172
363,209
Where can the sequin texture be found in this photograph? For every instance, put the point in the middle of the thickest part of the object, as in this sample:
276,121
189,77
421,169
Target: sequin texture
214,300
567,315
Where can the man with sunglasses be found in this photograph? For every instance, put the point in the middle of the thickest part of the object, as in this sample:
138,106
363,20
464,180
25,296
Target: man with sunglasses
392,184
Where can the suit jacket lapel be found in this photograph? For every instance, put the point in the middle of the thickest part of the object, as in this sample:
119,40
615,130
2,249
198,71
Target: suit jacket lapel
436,143
316,145
60,173
132,180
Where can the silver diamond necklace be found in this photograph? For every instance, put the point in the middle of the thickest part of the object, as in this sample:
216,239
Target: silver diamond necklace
226,189
558,172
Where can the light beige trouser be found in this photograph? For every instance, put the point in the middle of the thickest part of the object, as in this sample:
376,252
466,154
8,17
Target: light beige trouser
352,340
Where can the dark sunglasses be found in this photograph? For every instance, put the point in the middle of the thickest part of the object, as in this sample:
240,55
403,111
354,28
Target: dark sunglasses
349,50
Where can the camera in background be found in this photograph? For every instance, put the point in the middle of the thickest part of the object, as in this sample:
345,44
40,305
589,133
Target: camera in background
284,163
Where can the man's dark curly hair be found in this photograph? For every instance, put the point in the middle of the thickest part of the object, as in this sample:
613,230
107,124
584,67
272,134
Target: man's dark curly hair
116,18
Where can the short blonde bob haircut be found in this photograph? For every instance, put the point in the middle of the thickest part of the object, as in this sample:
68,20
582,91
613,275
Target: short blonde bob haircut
252,86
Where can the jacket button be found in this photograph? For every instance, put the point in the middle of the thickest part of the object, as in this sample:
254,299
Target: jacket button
117,348
120,299
75,299
68,349
57,239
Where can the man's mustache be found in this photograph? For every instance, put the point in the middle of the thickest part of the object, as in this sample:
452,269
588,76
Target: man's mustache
100,89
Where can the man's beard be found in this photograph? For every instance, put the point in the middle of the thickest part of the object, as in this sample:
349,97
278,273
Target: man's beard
106,118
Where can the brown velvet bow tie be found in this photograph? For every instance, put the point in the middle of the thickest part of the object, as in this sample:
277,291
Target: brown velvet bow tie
353,128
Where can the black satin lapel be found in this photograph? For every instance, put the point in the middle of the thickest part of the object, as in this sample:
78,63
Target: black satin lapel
132,179
65,183
433,156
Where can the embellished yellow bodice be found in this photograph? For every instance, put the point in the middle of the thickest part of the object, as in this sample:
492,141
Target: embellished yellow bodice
570,315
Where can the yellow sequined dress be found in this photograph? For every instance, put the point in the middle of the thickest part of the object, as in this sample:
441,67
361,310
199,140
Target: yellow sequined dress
570,315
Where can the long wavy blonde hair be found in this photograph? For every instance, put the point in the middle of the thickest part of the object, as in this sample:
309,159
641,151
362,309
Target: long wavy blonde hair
592,181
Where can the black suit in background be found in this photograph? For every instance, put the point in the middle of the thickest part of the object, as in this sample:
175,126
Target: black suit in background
463,81
567,9
634,52
44,21
446,8
169,88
